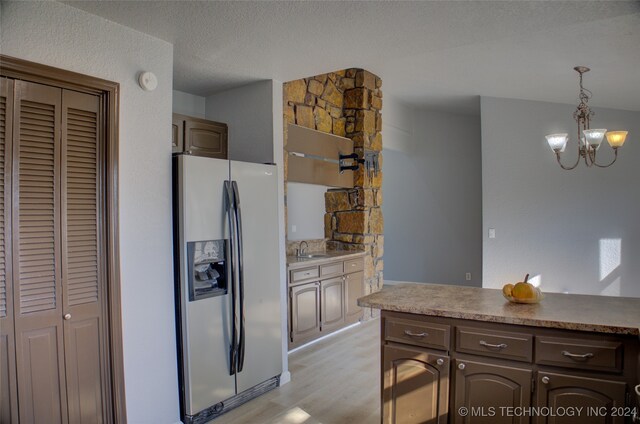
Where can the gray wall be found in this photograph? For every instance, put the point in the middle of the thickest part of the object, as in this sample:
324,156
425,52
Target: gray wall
188,104
579,230
248,111
62,36
432,196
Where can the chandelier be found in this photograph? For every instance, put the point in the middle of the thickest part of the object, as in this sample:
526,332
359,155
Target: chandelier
588,139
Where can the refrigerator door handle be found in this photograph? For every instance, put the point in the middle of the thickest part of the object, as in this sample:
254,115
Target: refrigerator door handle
238,213
230,210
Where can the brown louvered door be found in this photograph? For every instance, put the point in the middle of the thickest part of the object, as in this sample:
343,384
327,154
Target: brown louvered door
57,280
37,283
82,272
8,394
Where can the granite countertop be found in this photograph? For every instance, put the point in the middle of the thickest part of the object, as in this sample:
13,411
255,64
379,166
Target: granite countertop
331,255
603,314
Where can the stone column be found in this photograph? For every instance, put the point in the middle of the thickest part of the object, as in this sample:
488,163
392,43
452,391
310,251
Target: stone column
353,219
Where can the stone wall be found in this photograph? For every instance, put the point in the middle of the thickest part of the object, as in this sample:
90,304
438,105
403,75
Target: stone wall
347,103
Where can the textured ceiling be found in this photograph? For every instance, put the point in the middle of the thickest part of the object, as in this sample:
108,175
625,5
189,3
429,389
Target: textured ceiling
440,54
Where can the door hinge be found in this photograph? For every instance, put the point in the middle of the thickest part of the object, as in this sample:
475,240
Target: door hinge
291,336
533,385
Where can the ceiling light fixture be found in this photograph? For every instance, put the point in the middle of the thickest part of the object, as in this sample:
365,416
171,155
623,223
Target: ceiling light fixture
588,139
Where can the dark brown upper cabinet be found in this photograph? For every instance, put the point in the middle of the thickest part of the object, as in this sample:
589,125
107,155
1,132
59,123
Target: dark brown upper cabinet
199,137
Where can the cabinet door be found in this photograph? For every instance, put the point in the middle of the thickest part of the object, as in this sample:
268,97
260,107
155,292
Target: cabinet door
332,304
305,313
415,386
205,139
487,388
177,135
592,394
353,289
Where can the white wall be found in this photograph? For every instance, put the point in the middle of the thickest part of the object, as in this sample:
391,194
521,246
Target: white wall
432,195
248,110
305,211
59,35
188,104
579,230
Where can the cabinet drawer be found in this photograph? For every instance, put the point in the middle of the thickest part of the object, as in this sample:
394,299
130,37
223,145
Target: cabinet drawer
331,269
304,274
354,265
417,333
498,344
599,355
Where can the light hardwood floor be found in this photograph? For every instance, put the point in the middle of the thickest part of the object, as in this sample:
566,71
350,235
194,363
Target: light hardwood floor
334,381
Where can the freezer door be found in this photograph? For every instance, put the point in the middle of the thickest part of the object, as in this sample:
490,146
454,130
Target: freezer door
258,208
205,323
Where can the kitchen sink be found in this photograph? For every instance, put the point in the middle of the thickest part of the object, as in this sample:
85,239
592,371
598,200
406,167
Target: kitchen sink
312,256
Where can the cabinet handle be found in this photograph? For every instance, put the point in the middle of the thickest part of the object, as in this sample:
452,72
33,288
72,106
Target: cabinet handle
546,380
638,389
67,317
461,366
576,356
440,361
411,334
495,346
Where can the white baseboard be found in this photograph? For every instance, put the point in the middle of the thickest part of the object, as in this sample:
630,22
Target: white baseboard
325,337
285,377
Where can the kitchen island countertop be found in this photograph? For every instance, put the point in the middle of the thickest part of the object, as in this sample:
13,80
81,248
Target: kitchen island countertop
603,314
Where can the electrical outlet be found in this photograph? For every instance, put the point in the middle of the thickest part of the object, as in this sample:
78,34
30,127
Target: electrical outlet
468,276
492,233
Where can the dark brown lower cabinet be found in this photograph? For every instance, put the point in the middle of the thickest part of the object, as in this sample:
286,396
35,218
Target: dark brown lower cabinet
486,389
489,386
353,289
331,304
304,301
596,396
324,298
415,386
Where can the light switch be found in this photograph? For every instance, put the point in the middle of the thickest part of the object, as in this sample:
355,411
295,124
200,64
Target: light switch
492,233
294,228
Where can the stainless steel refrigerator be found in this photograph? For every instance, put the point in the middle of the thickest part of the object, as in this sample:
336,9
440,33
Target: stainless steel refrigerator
226,246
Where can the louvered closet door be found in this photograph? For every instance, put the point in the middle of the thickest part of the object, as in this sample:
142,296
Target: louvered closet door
82,271
37,282
8,387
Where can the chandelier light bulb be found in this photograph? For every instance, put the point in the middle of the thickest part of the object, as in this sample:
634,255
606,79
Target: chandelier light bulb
558,142
593,138
616,138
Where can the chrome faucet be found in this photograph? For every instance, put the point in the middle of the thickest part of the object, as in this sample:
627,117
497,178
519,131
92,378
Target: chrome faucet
302,250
